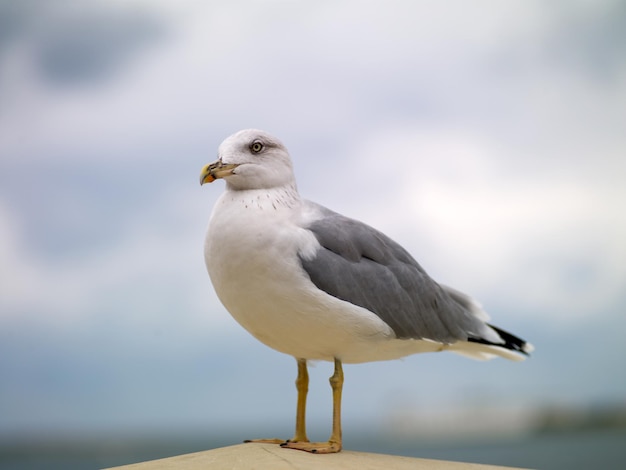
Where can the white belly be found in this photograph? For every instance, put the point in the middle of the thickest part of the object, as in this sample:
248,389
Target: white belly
252,259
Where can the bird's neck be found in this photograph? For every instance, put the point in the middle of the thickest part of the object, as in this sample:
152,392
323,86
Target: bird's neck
276,198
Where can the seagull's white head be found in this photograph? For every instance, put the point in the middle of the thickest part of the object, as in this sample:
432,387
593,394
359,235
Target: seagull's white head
250,159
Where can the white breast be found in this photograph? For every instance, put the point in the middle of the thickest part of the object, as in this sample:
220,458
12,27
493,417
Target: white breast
251,252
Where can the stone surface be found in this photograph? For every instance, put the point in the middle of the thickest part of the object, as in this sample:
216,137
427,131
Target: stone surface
272,456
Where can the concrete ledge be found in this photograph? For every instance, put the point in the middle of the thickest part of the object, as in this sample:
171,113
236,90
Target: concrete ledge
272,456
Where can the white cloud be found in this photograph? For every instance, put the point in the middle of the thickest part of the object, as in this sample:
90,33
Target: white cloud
457,130
154,275
499,226
539,241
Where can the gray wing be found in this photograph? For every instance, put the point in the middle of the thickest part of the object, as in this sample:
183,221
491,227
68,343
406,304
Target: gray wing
361,265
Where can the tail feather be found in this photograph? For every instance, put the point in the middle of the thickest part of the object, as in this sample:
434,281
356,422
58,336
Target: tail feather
510,342
498,341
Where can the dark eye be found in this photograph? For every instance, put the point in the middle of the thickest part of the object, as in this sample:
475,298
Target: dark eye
256,146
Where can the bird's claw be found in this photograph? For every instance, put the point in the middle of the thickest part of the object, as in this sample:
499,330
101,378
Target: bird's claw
329,447
265,441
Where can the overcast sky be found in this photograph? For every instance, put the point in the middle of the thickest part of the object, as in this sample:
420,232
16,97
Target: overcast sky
488,139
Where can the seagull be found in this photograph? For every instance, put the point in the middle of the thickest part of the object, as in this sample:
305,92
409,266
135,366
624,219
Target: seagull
316,285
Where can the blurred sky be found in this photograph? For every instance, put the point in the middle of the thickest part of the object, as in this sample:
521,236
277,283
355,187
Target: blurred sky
487,138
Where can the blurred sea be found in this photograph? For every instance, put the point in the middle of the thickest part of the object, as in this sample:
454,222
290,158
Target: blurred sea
568,450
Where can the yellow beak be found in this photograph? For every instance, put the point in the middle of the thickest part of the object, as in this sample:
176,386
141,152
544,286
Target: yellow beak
216,170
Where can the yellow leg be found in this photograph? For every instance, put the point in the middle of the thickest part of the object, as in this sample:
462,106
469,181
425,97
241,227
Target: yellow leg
336,382
302,385
334,443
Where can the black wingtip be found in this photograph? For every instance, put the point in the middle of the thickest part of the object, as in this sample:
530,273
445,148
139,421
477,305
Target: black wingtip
511,342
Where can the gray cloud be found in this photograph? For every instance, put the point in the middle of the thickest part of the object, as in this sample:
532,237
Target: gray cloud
491,148
70,44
